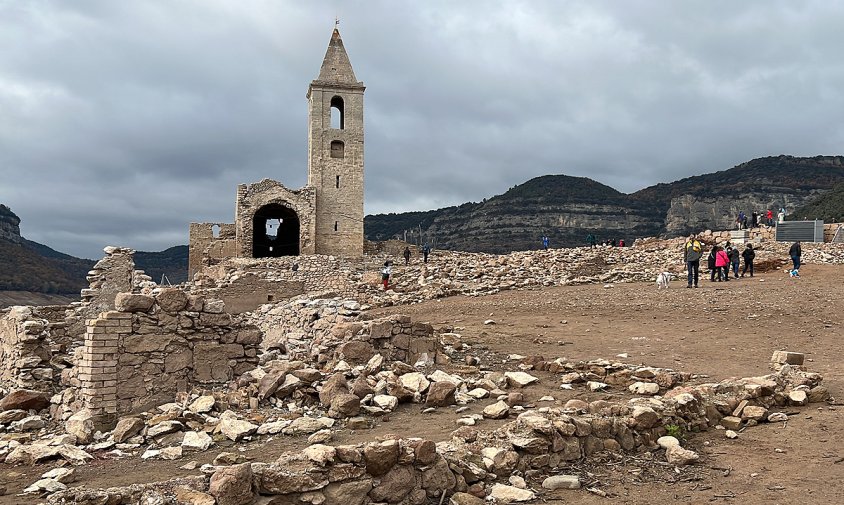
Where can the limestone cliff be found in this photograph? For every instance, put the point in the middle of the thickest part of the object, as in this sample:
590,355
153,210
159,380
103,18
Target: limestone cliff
567,209
9,225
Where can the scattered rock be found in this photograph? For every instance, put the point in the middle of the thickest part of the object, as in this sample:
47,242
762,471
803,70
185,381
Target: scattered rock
520,379
678,456
498,410
510,494
235,429
561,482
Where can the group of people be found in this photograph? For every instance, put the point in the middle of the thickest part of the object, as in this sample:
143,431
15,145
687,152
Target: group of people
387,270
724,260
756,218
592,240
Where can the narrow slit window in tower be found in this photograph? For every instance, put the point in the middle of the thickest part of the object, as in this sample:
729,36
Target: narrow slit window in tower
338,149
335,225
337,115
337,182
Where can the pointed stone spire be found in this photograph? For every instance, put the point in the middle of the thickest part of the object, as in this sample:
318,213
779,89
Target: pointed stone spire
336,67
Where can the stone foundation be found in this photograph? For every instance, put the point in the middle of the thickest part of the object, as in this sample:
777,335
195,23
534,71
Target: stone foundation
410,471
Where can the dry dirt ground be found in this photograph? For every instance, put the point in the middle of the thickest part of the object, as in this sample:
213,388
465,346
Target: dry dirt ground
720,330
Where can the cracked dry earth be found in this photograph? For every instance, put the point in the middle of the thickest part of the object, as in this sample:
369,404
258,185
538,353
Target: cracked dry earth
720,330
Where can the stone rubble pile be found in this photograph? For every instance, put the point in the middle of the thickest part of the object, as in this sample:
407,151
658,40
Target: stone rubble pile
476,274
474,465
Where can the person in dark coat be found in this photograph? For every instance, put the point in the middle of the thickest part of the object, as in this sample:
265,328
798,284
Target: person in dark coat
748,254
734,259
406,255
710,263
795,252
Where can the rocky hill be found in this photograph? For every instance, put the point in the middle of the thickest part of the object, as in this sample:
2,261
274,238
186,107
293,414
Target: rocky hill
829,207
568,208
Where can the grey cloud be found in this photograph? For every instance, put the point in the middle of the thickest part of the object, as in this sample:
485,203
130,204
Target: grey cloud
122,122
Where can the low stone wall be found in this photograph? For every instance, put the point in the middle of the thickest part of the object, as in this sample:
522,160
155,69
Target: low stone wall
274,279
536,444
150,348
325,332
25,350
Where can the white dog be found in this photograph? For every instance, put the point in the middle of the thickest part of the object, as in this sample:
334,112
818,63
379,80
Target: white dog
663,279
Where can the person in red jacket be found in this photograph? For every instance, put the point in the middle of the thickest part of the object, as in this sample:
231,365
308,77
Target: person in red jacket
770,217
722,264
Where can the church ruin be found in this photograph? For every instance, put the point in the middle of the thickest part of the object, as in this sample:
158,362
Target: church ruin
324,217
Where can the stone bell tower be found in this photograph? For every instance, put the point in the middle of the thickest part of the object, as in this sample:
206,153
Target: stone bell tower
335,153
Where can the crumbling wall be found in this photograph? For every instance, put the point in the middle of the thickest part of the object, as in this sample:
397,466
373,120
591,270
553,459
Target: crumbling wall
205,248
252,197
535,444
328,331
247,283
25,350
152,347
113,274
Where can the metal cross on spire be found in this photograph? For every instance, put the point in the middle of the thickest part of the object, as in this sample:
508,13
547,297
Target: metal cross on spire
336,21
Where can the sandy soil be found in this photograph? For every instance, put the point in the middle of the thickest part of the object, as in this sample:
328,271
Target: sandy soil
721,330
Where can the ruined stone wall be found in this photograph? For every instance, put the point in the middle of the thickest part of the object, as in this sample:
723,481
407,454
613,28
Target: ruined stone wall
150,348
245,284
326,332
25,350
535,444
113,274
252,197
203,245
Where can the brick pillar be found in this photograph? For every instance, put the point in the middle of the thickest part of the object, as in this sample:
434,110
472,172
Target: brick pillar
98,368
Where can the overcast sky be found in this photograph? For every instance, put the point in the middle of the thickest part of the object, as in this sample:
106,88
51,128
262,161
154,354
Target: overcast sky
123,121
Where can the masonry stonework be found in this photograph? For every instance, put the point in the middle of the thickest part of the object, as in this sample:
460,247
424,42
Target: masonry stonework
324,217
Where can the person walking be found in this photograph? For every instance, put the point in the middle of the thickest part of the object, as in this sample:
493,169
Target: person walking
710,263
734,259
795,252
748,254
722,262
590,239
754,219
426,250
770,218
385,274
545,242
691,255
406,255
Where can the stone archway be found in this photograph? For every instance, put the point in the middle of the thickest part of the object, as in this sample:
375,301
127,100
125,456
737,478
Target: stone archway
275,232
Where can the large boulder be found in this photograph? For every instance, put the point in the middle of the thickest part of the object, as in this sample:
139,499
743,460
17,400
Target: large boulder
25,399
81,425
394,485
127,427
335,385
172,299
236,429
441,394
344,405
131,302
232,485
381,456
